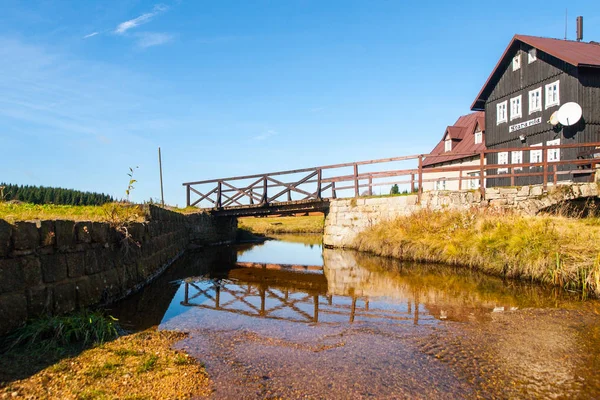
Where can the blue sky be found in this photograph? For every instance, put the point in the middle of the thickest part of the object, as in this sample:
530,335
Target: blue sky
88,89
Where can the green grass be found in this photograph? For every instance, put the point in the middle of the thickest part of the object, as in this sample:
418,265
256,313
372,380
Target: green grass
148,363
110,212
52,333
560,251
263,226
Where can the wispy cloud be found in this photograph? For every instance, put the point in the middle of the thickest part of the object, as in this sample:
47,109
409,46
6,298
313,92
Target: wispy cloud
149,39
123,27
265,135
91,35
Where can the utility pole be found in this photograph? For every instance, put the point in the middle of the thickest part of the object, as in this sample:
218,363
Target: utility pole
162,195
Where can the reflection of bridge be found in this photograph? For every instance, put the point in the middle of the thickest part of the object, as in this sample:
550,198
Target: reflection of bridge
275,292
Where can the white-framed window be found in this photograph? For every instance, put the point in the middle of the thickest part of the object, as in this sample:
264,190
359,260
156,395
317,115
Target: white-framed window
516,157
553,154
552,94
531,56
473,180
516,107
503,159
448,145
478,137
501,114
516,62
535,100
535,156
440,184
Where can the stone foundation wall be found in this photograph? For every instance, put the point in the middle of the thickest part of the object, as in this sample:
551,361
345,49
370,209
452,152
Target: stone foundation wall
348,217
54,267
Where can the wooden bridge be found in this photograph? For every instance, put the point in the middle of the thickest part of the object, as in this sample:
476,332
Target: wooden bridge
310,189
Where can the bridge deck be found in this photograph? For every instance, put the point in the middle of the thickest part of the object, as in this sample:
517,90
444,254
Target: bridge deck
283,208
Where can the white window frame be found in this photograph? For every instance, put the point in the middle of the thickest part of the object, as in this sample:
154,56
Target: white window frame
448,145
516,62
478,137
535,156
533,95
503,159
531,55
501,112
516,107
553,154
473,180
440,184
552,94
516,157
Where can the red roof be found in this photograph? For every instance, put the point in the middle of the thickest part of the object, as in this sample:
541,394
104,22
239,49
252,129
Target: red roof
579,54
463,140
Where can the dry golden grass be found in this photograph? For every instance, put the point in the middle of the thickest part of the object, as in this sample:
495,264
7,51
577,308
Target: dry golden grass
109,212
557,250
263,226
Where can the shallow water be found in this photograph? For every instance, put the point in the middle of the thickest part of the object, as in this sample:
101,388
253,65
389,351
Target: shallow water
289,319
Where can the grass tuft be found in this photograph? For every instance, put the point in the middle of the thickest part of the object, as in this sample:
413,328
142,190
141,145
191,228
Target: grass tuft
54,332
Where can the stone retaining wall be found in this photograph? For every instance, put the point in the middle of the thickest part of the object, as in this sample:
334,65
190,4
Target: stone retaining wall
348,217
54,267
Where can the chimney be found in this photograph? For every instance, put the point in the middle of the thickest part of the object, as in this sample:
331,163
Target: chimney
579,29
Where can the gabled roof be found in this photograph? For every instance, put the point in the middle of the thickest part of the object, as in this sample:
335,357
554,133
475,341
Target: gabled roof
464,141
454,133
578,54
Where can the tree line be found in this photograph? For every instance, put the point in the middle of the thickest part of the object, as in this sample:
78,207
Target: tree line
50,195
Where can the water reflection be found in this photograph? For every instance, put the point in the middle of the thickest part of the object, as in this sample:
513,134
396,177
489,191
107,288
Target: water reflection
373,324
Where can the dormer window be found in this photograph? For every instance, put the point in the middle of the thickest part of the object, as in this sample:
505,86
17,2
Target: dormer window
478,137
531,56
448,145
516,63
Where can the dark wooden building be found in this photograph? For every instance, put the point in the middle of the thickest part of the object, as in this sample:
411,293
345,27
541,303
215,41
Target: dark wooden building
532,79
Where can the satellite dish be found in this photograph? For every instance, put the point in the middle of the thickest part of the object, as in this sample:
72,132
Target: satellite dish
554,118
569,114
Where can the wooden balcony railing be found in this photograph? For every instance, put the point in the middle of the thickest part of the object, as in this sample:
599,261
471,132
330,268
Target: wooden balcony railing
327,182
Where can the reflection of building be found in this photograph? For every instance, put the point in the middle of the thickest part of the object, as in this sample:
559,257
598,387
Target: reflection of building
459,142
532,79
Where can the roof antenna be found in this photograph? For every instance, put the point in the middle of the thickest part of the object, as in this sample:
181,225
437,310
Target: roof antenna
566,19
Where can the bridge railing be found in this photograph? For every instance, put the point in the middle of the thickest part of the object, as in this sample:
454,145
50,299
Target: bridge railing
358,178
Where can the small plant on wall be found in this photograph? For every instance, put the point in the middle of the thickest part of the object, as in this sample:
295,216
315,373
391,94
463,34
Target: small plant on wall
131,182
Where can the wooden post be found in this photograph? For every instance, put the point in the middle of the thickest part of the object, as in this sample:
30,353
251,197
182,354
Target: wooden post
218,295
370,185
219,201
316,308
319,177
251,196
187,293
333,196
545,166
187,195
412,183
481,172
460,180
420,189
162,195
353,309
356,194
264,197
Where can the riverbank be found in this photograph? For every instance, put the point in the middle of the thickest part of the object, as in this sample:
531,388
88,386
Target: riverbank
141,365
560,251
277,225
